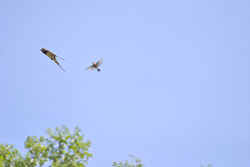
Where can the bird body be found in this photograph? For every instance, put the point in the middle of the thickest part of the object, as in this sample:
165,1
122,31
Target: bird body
52,56
95,65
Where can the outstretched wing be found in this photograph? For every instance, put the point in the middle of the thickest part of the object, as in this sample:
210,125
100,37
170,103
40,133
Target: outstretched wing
90,68
60,57
52,55
99,62
59,65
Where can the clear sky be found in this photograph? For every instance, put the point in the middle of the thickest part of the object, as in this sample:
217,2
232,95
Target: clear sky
174,89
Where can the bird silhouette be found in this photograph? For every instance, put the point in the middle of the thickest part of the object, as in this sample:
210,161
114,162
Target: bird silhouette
95,65
52,56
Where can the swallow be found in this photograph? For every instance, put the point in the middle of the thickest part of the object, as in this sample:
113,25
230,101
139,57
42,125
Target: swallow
95,65
52,56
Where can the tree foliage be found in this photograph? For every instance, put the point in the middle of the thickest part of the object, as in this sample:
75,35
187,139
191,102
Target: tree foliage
208,165
135,162
60,149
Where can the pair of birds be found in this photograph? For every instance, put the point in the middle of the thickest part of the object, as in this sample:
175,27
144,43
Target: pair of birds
52,56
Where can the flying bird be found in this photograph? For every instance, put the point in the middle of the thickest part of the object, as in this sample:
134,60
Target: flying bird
95,65
52,56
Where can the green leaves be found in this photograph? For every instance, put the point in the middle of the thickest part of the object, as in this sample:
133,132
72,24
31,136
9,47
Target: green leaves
60,149
208,165
135,162
10,157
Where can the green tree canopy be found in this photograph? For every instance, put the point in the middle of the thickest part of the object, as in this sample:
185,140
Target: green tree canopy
135,162
60,149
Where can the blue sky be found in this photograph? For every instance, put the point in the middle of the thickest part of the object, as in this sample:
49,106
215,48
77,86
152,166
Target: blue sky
173,90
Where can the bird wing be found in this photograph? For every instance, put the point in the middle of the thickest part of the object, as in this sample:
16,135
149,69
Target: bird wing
59,64
99,62
60,57
90,68
52,55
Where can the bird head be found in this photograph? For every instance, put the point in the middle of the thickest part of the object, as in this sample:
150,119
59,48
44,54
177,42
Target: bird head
44,50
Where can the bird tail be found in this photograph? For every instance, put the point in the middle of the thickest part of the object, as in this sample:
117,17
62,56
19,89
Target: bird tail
98,70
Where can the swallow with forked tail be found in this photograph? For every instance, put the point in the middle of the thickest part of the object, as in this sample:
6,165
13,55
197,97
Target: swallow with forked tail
53,57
